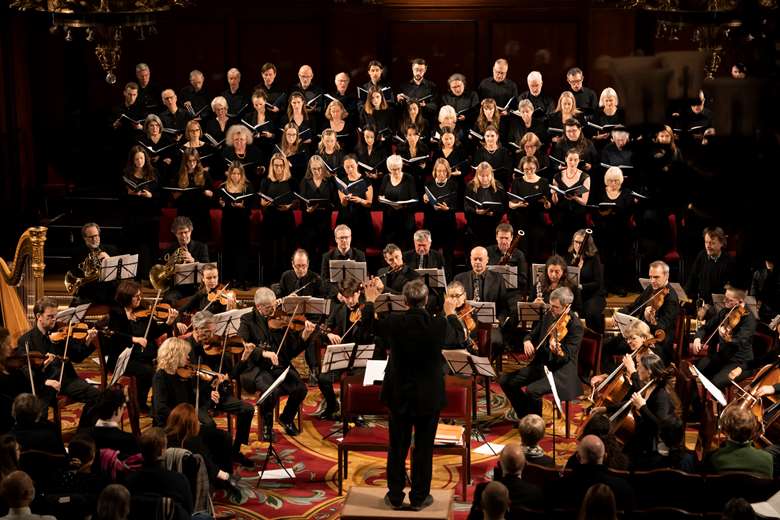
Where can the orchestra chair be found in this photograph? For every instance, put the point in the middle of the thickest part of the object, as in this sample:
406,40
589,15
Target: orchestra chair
357,400
460,229
542,475
682,338
664,513
720,488
419,220
298,217
215,242
673,256
667,488
458,408
255,231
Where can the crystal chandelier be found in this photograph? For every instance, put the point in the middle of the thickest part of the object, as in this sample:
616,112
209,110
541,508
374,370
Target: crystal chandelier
102,22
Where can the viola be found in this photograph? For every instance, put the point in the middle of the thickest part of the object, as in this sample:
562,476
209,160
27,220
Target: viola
465,313
161,312
279,320
233,345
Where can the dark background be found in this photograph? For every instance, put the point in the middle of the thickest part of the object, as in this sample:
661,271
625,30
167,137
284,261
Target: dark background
54,100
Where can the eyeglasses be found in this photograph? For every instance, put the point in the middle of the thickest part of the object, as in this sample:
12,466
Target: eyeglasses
92,237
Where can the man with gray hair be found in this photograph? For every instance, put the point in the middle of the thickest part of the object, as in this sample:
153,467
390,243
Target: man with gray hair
543,104
203,327
313,95
499,87
545,349
194,97
413,387
422,256
237,100
148,93
272,352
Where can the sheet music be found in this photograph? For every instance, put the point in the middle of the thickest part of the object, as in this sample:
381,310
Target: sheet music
508,273
375,371
120,267
712,389
624,321
273,386
554,389
72,314
229,321
750,303
121,365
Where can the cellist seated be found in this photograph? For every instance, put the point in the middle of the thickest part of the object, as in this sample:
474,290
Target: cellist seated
636,336
559,355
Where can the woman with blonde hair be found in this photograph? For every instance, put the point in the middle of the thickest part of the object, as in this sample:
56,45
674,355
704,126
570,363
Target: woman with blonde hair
236,198
339,121
278,228
196,196
564,110
330,151
294,149
484,205
607,116
318,197
215,127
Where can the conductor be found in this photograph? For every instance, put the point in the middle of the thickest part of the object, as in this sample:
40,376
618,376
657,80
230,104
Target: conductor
413,387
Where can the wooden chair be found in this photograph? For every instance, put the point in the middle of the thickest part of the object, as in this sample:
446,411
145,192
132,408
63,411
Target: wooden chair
667,488
357,400
664,513
720,488
542,475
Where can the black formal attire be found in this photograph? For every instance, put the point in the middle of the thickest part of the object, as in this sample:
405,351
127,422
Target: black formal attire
355,215
194,204
481,229
200,100
97,292
41,435
413,390
212,128
298,162
433,260
563,368
613,227
604,120
333,161
278,229
72,385
586,149
419,168
373,162
522,494
257,373
149,98
622,158
381,120
518,129
352,253
459,160
489,287
307,129
569,214
236,215
313,97
200,300
722,355
547,289
315,230
141,221
516,259
586,100
570,490
277,96
709,275
398,224
175,120
465,105
12,383
200,253
251,160
502,92
441,222
158,151
113,438
238,102
394,281
339,322
665,317
542,103
257,124
383,86
500,159
425,89
125,134
350,104
594,293
141,363
531,219
154,479
310,284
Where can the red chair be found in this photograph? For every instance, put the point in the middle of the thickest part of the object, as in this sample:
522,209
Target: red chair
216,229
376,224
458,408
166,236
419,219
673,255
357,400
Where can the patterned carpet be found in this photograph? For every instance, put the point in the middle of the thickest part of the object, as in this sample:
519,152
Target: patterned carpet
313,457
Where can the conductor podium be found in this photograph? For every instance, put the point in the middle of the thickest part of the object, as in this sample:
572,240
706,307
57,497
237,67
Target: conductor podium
367,503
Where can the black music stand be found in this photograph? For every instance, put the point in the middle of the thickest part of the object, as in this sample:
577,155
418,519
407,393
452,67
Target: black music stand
121,365
308,305
227,323
387,302
187,274
572,273
345,356
271,452
72,315
434,277
463,363
121,267
507,272
347,269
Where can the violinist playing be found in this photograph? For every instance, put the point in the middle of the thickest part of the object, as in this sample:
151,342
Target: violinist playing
134,327
726,339
346,323
274,350
56,379
554,342
177,381
211,294
460,337
654,406
207,347
658,306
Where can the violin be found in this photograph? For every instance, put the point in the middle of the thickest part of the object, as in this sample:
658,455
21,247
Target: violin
465,314
204,372
733,320
279,320
559,334
161,312
233,345
657,301
356,313
221,295
78,332
37,359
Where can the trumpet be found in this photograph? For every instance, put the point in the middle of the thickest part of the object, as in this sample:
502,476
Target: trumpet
90,268
161,275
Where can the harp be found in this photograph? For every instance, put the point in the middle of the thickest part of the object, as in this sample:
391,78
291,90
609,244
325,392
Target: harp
21,282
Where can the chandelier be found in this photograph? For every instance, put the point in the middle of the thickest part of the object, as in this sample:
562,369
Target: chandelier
102,22
710,23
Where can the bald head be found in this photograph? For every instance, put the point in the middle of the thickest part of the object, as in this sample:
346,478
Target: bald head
305,75
479,259
512,459
591,450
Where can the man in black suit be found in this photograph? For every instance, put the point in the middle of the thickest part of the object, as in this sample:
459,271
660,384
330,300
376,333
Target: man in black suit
586,99
392,278
343,251
191,251
560,357
300,278
422,256
95,292
570,490
486,286
413,387
711,271
509,472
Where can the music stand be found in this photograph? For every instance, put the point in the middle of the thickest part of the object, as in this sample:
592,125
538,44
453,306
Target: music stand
227,323
750,303
121,267
624,321
72,314
387,302
305,305
187,274
345,356
507,272
484,312
676,287
529,312
347,269
556,398
434,278
271,452
121,365
375,372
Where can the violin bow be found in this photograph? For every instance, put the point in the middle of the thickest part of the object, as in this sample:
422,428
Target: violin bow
287,330
29,367
219,295
555,324
726,317
151,314
197,386
64,352
628,402
641,305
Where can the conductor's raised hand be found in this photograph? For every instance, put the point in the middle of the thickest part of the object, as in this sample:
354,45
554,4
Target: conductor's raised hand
450,305
373,289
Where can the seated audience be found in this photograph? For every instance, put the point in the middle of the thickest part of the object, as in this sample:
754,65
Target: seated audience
738,453
18,491
531,433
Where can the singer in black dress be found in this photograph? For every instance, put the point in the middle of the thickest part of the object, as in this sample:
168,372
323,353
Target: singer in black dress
398,222
192,194
570,207
372,156
440,217
319,192
355,198
236,199
484,205
278,230
530,214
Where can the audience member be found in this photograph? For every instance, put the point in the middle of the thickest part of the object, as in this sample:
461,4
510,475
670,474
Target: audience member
113,503
495,501
18,491
738,453
32,430
531,434
107,432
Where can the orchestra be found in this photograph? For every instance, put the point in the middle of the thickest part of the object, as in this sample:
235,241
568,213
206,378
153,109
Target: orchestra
498,177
